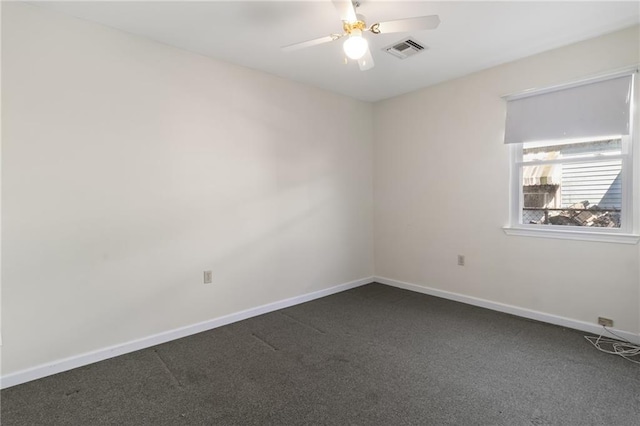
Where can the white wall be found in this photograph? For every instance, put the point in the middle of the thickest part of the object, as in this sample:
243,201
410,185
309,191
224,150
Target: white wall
130,167
441,189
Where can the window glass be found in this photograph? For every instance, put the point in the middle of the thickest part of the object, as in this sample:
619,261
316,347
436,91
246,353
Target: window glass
572,184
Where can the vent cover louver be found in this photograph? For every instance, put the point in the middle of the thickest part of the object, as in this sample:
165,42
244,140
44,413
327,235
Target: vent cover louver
405,48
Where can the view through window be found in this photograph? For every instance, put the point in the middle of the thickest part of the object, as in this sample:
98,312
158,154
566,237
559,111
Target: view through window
573,183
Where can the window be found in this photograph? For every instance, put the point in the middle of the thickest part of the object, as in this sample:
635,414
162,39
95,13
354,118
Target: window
571,165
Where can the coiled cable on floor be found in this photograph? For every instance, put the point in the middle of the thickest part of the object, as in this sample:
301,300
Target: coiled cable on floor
622,347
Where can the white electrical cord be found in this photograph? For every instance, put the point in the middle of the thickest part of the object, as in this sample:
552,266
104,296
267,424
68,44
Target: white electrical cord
622,347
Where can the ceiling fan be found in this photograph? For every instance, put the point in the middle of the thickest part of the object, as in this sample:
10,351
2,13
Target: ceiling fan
354,25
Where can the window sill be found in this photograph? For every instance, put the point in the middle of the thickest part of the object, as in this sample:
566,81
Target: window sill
603,237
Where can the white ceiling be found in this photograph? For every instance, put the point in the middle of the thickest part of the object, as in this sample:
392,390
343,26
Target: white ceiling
472,35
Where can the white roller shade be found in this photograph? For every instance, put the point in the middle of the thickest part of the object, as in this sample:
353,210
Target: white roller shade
590,110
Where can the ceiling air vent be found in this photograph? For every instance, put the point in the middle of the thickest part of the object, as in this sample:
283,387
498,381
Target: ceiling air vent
405,48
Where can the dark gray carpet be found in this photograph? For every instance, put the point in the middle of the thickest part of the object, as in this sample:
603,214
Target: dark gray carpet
375,355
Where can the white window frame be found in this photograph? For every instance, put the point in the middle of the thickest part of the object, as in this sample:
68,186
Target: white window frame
628,231
624,234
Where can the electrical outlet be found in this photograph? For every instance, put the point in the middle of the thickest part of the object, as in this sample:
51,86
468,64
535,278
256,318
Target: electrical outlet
460,260
208,277
605,321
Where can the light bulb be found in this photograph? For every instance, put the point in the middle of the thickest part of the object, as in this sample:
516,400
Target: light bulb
355,46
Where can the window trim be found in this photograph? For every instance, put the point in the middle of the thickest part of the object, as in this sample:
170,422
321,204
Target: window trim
562,234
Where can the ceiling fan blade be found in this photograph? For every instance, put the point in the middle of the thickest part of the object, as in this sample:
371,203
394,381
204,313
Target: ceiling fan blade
346,10
310,43
429,22
366,62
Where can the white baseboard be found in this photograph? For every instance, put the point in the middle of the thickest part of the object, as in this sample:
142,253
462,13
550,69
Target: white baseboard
76,361
510,309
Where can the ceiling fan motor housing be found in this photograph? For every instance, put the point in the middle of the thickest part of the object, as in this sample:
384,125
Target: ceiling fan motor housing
358,25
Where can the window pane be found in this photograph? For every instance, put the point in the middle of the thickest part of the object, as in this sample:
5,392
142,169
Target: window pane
585,193
554,151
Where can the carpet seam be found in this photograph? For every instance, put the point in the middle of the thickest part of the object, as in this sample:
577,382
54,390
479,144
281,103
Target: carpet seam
264,342
168,370
303,323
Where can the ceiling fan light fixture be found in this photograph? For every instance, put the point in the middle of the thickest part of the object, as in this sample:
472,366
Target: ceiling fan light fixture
355,46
